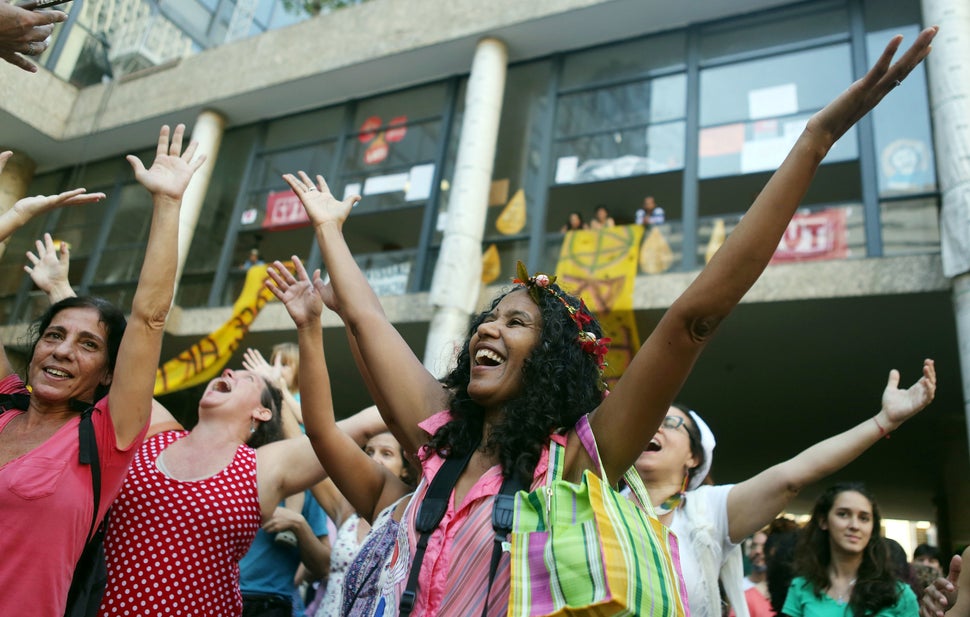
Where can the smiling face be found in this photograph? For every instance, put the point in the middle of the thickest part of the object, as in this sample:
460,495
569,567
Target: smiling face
756,551
668,456
500,347
849,522
70,359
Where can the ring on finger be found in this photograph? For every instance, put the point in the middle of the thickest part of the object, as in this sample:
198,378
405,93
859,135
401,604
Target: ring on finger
898,83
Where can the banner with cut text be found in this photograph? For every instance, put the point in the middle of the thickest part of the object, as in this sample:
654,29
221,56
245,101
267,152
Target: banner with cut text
205,359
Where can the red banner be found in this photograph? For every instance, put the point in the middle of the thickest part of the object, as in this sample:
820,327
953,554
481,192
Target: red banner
284,211
814,236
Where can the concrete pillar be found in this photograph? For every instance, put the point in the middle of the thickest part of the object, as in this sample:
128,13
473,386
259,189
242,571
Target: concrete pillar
208,130
948,70
16,177
457,276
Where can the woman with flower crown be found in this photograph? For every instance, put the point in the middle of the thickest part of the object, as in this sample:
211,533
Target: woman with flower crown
530,368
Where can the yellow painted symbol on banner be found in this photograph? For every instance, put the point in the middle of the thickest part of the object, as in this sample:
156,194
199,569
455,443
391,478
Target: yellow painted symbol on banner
512,219
205,359
491,265
601,267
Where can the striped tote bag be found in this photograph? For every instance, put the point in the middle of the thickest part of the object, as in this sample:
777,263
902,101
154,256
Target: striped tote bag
586,550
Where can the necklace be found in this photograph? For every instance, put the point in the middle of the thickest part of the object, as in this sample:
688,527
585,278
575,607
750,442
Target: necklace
842,600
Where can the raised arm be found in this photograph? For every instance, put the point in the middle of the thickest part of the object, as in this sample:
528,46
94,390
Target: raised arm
26,209
752,504
130,395
629,417
399,377
367,485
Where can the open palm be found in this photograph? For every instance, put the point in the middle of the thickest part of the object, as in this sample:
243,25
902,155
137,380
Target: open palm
172,169
297,293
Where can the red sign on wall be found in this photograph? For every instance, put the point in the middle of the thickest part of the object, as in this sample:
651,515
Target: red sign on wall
814,236
284,211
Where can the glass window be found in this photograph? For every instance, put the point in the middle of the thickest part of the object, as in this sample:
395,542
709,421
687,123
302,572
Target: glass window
910,226
770,30
751,113
624,60
303,128
775,86
903,135
616,132
220,199
122,256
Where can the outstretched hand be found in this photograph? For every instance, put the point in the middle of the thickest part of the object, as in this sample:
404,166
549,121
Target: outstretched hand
172,169
900,405
297,293
29,207
50,264
838,116
254,361
941,594
320,204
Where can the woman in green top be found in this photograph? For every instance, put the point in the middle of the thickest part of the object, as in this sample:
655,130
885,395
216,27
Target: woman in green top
841,563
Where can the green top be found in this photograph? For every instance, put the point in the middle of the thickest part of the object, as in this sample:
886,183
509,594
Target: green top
802,601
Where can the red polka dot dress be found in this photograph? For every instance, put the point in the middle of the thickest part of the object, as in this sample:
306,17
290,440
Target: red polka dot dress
173,548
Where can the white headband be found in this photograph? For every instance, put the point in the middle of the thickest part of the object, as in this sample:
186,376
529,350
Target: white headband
707,444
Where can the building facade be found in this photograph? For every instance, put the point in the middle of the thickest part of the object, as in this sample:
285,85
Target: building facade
594,102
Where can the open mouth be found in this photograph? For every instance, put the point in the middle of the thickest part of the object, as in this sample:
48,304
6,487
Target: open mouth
487,357
222,386
653,446
56,372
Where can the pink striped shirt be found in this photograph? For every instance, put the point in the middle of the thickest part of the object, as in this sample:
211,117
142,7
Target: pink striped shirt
454,573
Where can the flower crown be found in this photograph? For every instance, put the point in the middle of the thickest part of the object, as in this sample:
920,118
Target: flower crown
596,347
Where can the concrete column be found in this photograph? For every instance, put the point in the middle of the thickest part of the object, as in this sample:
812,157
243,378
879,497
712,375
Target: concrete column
457,276
208,130
948,68
16,177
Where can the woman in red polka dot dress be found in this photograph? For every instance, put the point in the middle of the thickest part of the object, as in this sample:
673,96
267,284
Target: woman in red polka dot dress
193,500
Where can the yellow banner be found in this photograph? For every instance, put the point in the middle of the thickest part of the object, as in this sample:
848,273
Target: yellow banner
600,266
204,360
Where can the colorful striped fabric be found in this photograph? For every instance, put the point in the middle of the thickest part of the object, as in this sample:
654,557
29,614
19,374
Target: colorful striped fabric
585,550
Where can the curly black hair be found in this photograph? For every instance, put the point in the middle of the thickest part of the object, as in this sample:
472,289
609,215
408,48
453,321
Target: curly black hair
562,382
875,587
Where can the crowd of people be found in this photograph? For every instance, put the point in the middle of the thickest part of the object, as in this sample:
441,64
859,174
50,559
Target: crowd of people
226,518
648,214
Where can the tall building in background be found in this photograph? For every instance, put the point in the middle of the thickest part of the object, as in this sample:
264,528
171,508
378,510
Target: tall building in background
112,38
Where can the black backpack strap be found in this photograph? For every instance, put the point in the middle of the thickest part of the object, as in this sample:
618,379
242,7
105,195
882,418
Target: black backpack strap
88,455
503,513
430,513
14,400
